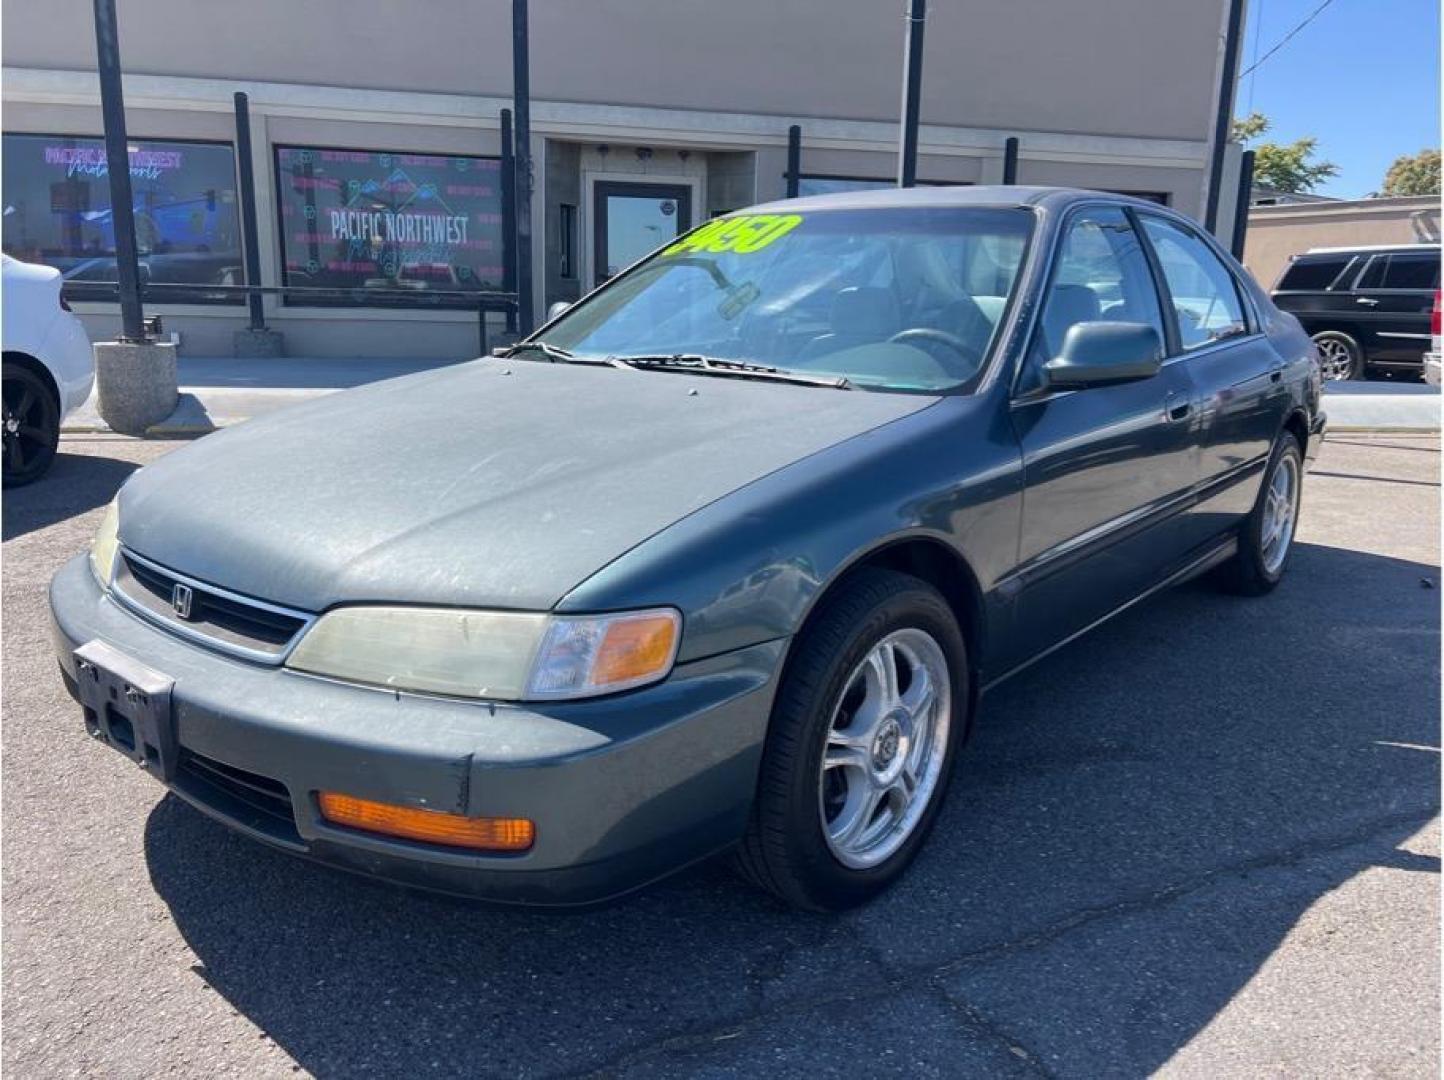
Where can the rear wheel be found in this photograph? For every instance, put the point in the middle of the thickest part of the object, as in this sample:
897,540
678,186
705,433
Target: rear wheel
1340,357
31,428
1267,538
860,745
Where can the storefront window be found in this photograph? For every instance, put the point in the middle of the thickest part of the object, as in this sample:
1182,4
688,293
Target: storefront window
57,211
370,220
834,185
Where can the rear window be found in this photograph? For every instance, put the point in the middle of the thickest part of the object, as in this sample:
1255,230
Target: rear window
1313,273
1412,271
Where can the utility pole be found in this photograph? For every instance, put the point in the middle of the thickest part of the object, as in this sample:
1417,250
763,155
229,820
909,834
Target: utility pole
521,102
907,164
135,377
1223,120
117,161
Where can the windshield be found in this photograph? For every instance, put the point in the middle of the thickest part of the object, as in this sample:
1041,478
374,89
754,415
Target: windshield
892,299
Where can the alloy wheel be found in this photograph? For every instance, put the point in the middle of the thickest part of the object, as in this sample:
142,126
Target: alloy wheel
1280,511
26,433
1336,359
885,748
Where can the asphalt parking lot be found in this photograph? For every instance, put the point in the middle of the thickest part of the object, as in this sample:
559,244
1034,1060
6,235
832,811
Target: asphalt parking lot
1202,841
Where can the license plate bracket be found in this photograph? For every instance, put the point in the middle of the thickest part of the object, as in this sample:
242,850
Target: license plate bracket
129,705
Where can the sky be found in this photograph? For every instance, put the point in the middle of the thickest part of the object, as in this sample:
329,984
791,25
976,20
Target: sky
1363,77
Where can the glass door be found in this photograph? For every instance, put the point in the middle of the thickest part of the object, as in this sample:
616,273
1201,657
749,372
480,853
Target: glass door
632,220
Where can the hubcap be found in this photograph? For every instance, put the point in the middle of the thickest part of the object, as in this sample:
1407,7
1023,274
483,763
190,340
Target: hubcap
1336,362
1281,503
885,748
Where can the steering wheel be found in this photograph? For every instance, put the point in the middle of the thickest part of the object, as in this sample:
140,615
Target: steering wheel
922,336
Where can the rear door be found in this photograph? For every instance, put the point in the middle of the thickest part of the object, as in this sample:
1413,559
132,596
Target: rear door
1315,288
1235,371
1394,296
1107,469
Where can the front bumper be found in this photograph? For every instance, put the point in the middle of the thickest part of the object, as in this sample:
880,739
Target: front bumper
623,790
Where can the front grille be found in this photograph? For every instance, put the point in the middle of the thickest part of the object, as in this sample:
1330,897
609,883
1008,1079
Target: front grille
229,621
249,798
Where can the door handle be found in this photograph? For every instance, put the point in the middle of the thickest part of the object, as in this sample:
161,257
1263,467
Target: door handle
1275,374
1177,410
1367,300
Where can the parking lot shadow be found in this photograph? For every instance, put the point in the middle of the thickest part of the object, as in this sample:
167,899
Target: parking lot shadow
74,484
1136,825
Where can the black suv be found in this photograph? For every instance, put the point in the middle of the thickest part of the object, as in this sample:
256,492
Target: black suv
1365,306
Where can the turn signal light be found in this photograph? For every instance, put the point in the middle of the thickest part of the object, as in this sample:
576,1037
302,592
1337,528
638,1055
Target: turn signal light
428,826
635,649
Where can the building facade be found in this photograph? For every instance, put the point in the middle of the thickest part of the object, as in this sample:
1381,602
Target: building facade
1277,233
376,132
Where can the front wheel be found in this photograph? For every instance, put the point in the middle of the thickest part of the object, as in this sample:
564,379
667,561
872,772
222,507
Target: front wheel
860,745
1266,539
31,426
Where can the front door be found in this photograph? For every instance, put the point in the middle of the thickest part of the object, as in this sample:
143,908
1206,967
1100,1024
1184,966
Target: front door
633,220
1109,469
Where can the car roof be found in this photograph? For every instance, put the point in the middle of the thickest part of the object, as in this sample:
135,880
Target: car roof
1365,248
944,196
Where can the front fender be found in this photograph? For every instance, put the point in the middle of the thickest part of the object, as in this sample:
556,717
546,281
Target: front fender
749,567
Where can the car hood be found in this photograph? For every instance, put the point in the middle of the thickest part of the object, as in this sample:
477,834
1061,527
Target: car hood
491,483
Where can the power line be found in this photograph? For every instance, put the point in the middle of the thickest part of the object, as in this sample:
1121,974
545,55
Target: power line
1285,39
1257,33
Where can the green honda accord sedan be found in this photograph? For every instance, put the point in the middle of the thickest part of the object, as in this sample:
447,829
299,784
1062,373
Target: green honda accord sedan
722,559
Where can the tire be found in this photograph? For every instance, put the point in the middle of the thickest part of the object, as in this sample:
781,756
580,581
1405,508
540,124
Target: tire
31,429
1340,356
797,844
1261,561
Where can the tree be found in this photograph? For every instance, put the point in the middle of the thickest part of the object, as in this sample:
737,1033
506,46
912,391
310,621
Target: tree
1283,166
1413,174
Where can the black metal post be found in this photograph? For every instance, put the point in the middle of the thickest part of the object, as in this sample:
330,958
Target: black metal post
117,161
508,215
794,160
1010,160
521,101
1241,204
1223,120
249,232
907,164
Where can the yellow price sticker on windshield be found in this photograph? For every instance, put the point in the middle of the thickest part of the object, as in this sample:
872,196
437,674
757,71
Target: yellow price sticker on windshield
741,235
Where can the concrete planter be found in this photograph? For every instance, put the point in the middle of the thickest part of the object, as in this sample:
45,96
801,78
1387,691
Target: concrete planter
135,384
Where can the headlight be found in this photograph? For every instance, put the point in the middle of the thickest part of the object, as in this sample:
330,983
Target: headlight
105,545
507,656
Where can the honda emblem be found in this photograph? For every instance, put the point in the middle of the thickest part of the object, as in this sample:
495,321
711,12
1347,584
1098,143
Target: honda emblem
180,600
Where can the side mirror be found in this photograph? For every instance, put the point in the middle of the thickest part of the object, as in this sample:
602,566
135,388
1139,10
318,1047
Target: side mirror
1103,354
557,309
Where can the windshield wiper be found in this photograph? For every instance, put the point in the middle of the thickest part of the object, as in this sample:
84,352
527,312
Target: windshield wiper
735,369
556,354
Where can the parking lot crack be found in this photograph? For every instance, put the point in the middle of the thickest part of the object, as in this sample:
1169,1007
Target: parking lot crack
1171,893
898,980
975,1020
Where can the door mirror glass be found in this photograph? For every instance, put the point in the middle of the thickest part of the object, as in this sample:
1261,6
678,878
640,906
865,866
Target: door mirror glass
1103,354
557,309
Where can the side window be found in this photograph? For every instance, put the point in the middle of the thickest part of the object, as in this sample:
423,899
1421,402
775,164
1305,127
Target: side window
1204,293
1412,270
1373,275
1101,275
1314,274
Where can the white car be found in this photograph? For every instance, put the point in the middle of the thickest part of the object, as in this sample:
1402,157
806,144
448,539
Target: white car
49,368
